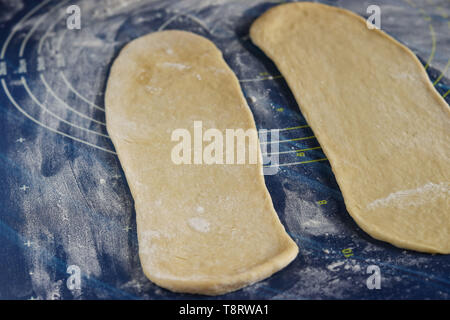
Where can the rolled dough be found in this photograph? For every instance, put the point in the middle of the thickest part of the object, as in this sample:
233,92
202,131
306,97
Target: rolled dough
379,120
205,229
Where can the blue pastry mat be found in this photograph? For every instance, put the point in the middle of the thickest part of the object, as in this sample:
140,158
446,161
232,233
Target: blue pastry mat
64,200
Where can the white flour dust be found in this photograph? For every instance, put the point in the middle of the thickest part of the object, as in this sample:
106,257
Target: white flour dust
199,224
413,197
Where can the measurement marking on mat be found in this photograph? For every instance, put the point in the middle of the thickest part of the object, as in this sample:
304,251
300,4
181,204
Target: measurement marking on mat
35,26
433,46
293,128
65,105
14,30
292,151
3,69
18,107
442,74
348,252
288,140
33,97
295,163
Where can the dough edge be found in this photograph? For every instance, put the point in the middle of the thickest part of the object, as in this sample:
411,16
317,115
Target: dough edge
213,286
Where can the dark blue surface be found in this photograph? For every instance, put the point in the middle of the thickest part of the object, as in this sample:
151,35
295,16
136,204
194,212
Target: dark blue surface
66,202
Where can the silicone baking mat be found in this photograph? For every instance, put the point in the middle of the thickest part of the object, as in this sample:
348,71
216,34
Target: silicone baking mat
65,208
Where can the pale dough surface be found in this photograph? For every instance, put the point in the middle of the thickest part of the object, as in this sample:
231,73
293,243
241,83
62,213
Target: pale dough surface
205,229
379,120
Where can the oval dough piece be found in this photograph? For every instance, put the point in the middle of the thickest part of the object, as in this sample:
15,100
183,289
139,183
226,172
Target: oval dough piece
205,229
379,120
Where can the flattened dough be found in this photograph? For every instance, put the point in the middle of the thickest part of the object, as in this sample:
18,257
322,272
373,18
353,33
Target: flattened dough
205,229
379,120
